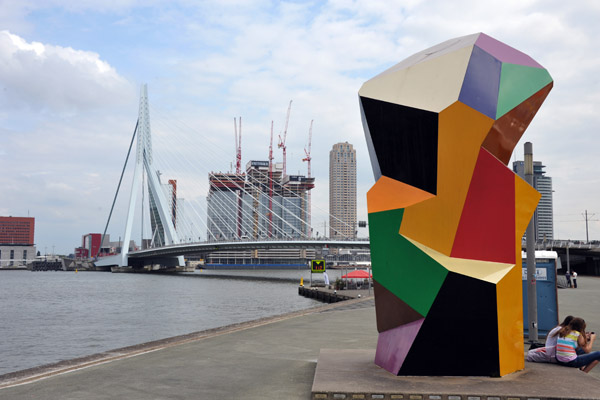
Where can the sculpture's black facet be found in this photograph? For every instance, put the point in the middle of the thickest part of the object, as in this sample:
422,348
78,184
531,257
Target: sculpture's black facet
405,141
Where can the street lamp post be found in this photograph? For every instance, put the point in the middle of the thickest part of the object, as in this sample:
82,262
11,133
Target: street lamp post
530,248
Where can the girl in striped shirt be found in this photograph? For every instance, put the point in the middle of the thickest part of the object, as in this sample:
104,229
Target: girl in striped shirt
570,338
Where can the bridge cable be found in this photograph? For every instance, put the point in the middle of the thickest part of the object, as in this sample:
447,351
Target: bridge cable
286,202
118,187
248,214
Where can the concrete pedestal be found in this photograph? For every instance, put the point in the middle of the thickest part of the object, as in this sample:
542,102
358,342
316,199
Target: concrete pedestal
351,374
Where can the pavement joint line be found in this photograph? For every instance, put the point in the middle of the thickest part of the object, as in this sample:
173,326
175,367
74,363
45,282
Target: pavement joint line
63,371
56,369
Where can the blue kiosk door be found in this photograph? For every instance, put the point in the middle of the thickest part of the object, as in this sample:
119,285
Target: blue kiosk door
547,298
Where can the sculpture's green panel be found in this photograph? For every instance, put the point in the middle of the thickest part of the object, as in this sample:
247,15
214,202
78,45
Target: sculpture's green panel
517,84
401,267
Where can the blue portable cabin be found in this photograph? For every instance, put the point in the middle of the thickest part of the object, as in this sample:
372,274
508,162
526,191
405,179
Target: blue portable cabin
546,265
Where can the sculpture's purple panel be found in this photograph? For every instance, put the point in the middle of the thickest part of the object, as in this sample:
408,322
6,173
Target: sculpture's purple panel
504,52
393,346
482,82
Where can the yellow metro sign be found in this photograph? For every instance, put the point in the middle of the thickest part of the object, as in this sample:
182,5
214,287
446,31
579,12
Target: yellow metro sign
317,265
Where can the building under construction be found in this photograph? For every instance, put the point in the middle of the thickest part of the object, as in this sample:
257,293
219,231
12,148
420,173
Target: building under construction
262,203
258,204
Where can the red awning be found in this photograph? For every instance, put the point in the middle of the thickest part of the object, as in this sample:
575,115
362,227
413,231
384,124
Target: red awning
357,274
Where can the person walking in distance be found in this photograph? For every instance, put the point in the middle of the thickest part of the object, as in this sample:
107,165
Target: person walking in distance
574,275
568,276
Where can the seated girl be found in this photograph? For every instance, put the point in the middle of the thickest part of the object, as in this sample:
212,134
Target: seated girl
548,352
572,337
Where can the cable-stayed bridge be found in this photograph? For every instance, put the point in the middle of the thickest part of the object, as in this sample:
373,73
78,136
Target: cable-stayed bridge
198,210
168,255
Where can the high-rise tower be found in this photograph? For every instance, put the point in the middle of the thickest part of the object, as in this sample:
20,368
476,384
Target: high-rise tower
342,191
543,219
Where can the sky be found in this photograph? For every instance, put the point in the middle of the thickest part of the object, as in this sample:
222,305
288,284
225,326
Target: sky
71,72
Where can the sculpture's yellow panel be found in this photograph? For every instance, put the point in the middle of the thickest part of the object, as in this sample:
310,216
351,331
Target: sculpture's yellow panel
487,271
434,222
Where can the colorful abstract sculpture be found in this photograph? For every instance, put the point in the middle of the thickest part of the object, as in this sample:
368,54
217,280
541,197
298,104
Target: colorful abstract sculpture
446,215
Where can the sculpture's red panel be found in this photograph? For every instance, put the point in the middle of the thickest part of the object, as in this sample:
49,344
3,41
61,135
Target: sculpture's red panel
486,230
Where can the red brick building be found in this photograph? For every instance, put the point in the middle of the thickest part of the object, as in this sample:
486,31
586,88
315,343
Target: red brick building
17,231
16,241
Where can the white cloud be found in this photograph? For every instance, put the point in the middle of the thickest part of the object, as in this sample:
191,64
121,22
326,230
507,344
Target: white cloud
56,79
59,108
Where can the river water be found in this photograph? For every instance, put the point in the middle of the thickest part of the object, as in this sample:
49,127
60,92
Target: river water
46,317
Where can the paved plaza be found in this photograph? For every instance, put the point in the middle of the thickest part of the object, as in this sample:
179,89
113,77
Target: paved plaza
273,358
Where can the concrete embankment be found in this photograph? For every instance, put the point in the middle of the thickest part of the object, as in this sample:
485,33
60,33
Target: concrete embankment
281,358
332,296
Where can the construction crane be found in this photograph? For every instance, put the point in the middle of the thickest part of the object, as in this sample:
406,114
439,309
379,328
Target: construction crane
307,159
238,146
238,171
271,183
281,144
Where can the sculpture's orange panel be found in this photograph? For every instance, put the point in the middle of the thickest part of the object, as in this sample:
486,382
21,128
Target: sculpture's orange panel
434,222
390,194
509,298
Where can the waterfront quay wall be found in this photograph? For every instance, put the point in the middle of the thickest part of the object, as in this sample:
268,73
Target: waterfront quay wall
322,295
65,264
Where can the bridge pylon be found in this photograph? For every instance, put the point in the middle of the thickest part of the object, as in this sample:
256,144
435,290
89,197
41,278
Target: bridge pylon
161,209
